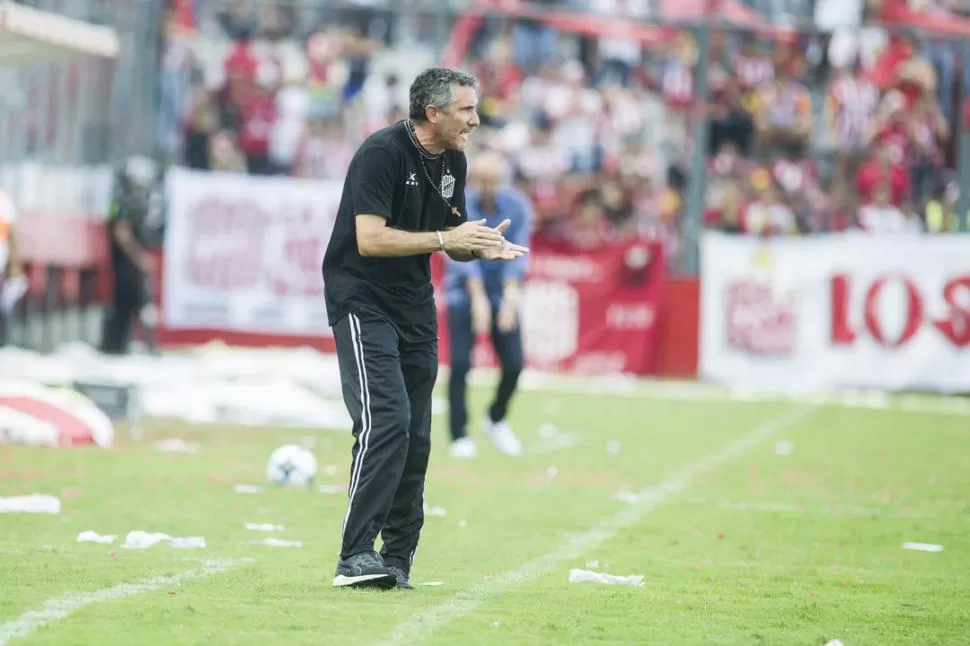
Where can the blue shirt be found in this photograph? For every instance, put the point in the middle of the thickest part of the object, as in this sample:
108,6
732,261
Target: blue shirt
510,203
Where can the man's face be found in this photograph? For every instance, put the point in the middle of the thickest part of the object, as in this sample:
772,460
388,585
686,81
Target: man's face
457,122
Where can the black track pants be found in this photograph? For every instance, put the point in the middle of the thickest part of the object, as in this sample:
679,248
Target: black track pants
387,373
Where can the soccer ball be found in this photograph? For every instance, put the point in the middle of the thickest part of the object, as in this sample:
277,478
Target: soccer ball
291,465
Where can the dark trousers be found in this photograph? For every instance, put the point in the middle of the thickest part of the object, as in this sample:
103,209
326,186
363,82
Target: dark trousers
387,373
127,301
508,347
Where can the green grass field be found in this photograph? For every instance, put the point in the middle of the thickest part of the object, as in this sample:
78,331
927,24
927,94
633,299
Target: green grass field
737,543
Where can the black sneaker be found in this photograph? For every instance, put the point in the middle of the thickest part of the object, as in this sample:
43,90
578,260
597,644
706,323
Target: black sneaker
364,570
402,578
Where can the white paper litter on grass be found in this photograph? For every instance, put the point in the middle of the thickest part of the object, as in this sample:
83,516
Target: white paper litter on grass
783,447
548,431
439,512
177,445
278,542
626,496
33,504
613,447
834,642
187,542
247,488
265,527
139,540
430,583
923,547
94,537
585,576
142,540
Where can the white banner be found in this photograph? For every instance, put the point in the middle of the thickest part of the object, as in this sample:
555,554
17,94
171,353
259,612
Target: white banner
243,253
851,310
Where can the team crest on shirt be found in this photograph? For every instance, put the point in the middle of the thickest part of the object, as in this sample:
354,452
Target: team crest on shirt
447,186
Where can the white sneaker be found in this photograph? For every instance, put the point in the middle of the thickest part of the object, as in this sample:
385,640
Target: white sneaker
463,448
503,437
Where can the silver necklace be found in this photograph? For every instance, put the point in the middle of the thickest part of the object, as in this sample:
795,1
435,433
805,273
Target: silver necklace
423,152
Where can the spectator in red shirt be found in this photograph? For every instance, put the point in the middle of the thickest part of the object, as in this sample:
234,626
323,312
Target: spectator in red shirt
257,114
899,50
240,67
879,169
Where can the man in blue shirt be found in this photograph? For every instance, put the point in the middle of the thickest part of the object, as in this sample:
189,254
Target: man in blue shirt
483,297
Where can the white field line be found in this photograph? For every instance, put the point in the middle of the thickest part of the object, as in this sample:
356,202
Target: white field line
420,626
54,610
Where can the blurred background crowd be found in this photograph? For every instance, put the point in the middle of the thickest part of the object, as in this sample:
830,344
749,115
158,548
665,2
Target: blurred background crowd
808,132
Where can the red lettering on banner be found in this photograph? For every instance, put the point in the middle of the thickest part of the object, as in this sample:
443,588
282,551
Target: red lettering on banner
842,332
758,320
914,313
225,244
633,316
955,327
298,273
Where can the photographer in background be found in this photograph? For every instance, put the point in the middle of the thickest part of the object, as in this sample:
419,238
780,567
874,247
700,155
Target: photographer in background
131,263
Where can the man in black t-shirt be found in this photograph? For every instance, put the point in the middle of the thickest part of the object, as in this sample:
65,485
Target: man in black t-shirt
403,199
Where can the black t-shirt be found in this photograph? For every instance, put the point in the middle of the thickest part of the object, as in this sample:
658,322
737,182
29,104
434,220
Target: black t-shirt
385,179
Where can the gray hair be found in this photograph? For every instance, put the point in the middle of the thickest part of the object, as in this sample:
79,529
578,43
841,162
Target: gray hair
434,87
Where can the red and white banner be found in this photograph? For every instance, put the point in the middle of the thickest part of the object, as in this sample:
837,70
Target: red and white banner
242,263
592,312
887,312
243,253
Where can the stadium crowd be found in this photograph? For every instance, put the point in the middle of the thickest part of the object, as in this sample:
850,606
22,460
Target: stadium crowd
807,134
